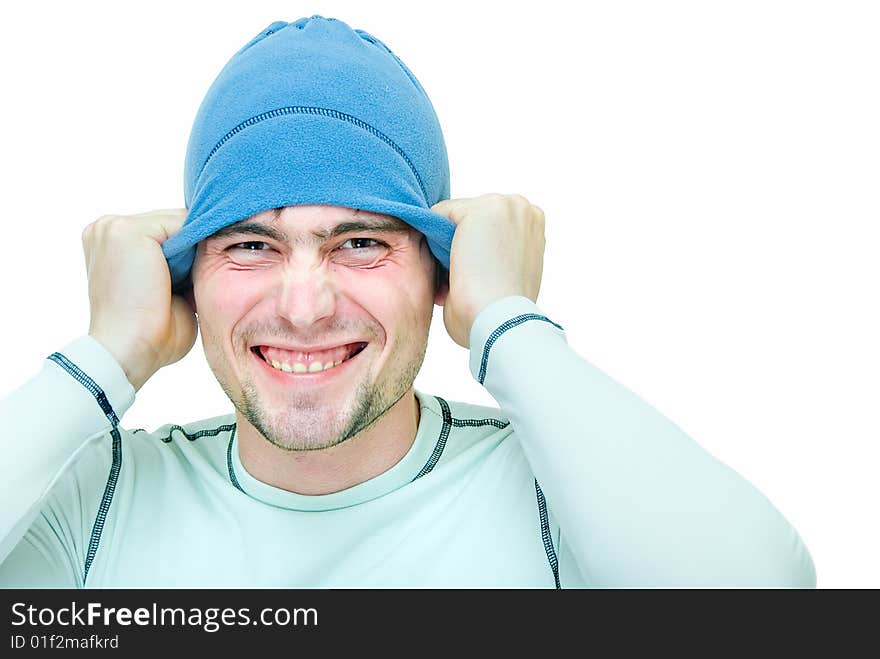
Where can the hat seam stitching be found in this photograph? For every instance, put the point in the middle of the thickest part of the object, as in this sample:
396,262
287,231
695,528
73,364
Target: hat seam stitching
308,109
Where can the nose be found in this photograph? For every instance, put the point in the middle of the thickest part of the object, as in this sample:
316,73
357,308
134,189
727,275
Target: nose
307,293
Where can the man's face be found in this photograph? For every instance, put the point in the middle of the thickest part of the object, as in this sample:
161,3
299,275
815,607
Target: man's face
280,286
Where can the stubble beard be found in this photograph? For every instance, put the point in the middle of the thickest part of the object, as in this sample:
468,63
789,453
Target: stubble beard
304,423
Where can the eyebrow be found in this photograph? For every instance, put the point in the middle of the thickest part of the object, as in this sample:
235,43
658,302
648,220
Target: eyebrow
248,227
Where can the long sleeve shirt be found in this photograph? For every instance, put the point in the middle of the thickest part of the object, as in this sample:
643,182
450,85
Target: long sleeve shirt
572,481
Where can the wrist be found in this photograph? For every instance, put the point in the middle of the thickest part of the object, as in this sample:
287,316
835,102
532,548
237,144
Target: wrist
135,362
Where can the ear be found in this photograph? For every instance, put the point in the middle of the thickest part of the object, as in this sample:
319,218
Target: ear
190,297
185,288
442,287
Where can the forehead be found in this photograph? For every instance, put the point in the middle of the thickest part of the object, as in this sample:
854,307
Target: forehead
308,214
313,224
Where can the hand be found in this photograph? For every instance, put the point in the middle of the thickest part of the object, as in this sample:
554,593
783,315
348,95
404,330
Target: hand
497,251
133,313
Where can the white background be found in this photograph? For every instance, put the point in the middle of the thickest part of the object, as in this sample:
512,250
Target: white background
708,170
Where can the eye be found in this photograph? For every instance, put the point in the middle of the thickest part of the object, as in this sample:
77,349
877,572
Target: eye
250,242
353,240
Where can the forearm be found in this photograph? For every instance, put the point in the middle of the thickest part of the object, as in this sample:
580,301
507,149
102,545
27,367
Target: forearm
639,501
69,403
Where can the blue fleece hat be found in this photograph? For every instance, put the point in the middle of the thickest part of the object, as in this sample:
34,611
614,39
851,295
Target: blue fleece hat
312,112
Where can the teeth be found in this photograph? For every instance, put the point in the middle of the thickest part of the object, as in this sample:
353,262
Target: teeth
302,368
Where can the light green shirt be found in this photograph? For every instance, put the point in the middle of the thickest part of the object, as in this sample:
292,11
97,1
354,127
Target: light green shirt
573,481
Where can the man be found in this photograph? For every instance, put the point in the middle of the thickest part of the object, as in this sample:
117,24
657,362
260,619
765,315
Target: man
317,238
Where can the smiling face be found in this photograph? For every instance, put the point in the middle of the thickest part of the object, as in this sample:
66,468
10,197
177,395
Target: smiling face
304,277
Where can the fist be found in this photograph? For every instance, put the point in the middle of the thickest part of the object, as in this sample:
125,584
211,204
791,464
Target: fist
497,251
133,313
